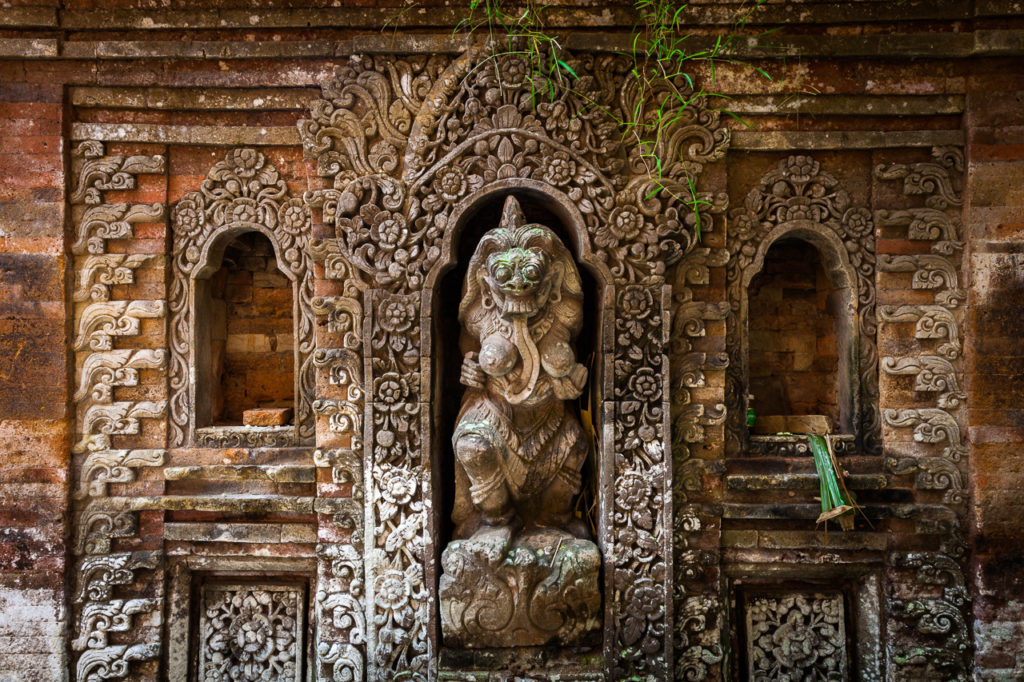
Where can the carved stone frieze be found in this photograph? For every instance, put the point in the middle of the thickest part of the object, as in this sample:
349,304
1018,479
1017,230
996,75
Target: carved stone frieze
242,193
113,466
251,632
933,473
113,662
116,418
931,425
101,321
103,370
798,198
99,272
932,373
99,223
927,224
796,636
930,322
935,641
344,316
340,610
94,173
100,618
930,271
940,180
95,528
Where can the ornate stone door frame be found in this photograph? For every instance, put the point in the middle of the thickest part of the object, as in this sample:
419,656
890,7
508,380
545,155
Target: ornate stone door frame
242,193
410,146
799,199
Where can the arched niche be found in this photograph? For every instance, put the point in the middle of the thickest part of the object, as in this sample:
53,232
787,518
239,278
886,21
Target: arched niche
480,213
798,200
245,310
840,307
242,194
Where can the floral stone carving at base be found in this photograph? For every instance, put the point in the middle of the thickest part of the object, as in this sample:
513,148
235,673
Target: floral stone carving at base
528,574
500,592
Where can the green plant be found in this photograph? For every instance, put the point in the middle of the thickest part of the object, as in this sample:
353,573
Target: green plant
663,57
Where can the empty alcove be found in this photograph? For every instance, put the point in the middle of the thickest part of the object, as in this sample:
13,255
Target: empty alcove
244,333
801,332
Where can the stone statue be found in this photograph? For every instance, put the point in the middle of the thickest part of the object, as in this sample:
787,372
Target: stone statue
528,573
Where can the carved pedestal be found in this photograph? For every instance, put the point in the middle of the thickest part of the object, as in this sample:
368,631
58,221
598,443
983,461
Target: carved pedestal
537,588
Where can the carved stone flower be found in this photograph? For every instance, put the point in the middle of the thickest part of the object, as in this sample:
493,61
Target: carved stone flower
858,223
635,302
624,225
250,636
645,386
799,169
243,210
391,389
245,162
646,599
514,71
391,590
632,492
560,169
389,230
797,645
744,225
293,216
451,183
395,316
188,218
397,486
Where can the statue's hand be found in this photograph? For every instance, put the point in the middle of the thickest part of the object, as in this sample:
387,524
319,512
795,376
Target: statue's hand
578,376
472,375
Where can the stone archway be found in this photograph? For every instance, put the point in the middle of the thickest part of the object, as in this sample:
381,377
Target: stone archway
403,144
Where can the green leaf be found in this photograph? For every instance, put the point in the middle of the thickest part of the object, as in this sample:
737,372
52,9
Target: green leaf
567,68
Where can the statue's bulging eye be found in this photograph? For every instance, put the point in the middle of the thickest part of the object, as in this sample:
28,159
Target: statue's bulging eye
532,272
503,273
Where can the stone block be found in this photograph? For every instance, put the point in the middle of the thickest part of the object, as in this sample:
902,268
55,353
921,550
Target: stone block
537,588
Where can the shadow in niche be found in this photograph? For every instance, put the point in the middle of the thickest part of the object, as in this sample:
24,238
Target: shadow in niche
448,356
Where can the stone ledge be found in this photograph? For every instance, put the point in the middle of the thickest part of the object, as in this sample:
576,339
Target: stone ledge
206,99
934,45
800,482
242,472
176,134
240,532
793,539
782,140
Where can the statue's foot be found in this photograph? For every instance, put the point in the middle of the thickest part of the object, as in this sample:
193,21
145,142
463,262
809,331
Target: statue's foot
497,532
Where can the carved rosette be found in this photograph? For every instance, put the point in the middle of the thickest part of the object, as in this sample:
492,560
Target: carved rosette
251,632
105,600
796,636
935,640
241,193
799,195
408,145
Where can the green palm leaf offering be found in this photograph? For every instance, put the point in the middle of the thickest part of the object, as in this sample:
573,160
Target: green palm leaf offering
836,501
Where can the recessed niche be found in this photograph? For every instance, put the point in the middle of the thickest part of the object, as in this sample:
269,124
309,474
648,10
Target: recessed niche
798,336
244,316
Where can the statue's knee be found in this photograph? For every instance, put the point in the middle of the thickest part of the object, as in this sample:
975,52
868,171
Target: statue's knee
473,451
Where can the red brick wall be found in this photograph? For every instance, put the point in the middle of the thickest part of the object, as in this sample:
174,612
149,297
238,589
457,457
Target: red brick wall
34,420
994,219
793,359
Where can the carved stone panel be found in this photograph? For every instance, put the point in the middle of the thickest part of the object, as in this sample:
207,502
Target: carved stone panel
251,632
796,636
